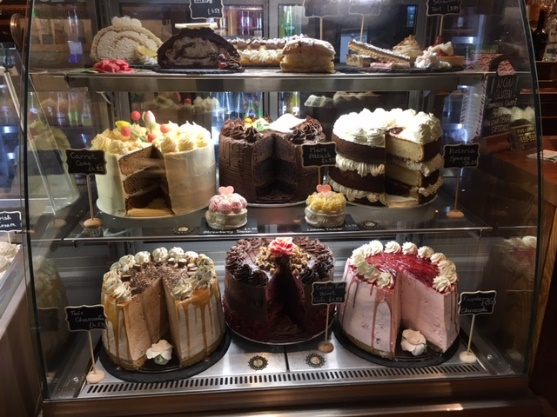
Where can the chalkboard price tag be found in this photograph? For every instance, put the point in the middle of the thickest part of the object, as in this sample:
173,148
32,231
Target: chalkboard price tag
364,7
321,8
206,9
84,161
523,137
85,318
465,155
328,293
10,221
479,302
318,155
443,7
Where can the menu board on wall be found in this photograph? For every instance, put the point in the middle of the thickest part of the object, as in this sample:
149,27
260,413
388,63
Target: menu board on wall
502,94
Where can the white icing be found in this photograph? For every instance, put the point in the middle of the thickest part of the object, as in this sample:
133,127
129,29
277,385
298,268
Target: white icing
142,257
409,248
362,168
425,252
160,255
286,123
392,247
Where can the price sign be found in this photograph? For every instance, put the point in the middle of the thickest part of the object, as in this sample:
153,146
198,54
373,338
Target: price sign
321,8
461,156
328,293
479,302
364,7
318,155
84,161
443,7
10,221
85,318
205,9
524,137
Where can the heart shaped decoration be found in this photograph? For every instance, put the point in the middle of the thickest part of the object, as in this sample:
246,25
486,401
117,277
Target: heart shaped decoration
226,190
323,188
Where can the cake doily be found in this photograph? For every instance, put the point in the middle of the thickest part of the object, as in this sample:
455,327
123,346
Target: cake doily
150,372
402,359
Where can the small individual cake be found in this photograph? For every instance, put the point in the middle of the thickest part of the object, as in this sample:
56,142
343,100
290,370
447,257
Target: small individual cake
125,39
308,55
444,52
227,210
325,208
199,48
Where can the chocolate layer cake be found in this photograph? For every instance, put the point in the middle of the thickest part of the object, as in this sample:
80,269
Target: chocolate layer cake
263,162
268,286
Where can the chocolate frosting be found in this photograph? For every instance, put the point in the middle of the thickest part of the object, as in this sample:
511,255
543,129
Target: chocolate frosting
239,261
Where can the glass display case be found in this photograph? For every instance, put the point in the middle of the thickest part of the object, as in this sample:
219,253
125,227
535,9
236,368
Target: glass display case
485,215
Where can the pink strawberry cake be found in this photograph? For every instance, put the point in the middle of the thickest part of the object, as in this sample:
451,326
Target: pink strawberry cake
227,210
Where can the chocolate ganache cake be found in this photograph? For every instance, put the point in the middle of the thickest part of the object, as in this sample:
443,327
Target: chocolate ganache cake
198,48
263,161
268,286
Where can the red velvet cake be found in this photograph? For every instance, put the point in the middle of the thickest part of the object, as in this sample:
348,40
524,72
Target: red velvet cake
398,288
268,286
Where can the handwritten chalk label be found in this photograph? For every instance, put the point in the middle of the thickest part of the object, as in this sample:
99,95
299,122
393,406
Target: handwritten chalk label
364,7
479,302
84,161
328,293
206,9
85,318
461,156
443,7
10,221
321,8
318,155
523,137
502,91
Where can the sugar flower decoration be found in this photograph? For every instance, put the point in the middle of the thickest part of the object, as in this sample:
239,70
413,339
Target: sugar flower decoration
161,352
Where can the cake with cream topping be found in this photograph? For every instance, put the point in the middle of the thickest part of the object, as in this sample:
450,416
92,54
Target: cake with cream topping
387,158
392,288
156,169
325,208
268,288
263,160
147,296
227,210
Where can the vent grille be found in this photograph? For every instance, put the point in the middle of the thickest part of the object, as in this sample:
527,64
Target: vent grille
198,384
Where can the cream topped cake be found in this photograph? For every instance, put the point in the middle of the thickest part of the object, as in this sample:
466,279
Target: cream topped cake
150,294
227,210
155,169
388,158
325,208
392,288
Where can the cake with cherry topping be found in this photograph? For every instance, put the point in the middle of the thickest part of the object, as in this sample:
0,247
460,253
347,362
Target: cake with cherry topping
391,288
268,288
227,210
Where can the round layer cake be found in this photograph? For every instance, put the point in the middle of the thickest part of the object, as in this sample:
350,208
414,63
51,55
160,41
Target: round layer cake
263,161
227,210
268,288
393,288
325,208
148,296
